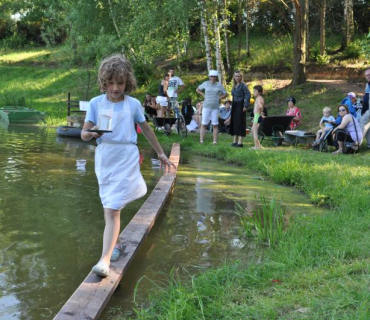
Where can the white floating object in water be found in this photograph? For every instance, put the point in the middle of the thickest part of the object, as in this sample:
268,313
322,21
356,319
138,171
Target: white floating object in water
80,164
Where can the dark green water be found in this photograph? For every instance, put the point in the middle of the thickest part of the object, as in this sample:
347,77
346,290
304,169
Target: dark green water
51,222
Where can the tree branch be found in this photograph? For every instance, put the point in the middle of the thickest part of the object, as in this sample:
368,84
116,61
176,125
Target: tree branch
282,13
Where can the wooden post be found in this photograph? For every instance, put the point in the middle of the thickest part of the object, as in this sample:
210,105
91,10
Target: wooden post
93,294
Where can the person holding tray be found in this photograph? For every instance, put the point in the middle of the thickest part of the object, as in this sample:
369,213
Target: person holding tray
117,156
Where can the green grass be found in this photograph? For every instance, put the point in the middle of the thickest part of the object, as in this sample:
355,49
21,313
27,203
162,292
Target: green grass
320,269
266,220
43,78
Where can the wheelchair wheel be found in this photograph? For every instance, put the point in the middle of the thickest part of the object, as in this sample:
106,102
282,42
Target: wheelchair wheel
167,129
181,127
323,146
278,138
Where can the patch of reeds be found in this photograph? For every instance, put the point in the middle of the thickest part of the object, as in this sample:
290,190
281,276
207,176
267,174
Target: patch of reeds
266,221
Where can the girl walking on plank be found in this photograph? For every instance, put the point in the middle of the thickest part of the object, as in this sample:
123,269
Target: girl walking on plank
117,156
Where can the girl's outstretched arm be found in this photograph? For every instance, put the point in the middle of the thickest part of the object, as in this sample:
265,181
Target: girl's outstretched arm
151,137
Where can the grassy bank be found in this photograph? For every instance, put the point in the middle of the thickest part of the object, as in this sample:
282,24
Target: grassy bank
321,268
39,76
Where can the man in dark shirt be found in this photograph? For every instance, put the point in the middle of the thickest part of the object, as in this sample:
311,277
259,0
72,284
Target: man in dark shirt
365,114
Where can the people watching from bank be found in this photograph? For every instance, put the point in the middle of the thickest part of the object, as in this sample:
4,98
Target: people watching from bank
224,119
162,98
350,102
150,106
258,109
365,112
213,93
348,131
238,121
293,111
326,124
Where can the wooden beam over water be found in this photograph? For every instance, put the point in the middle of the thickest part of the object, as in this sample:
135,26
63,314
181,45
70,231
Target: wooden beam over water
93,294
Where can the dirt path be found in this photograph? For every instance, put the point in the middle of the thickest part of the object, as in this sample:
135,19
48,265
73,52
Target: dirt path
344,86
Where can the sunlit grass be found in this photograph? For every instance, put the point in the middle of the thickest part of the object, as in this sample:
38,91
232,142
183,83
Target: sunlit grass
320,268
32,56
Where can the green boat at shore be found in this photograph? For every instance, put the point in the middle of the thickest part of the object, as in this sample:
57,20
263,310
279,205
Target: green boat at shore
4,120
22,115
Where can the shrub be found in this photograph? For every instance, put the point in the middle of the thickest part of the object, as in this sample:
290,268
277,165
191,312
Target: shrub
322,60
353,50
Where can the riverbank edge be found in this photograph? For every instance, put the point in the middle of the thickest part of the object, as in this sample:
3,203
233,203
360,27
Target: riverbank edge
319,270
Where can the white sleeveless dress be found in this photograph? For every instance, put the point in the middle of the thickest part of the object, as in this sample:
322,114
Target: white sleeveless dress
117,162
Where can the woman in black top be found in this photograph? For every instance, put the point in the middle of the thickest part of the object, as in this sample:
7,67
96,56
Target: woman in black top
238,121
162,98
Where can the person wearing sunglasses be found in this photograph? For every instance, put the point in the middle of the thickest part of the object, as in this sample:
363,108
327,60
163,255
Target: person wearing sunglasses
348,131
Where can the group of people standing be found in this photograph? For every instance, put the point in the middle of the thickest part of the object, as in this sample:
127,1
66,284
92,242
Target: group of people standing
169,88
213,91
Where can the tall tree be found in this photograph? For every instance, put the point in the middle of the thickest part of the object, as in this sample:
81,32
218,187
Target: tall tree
225,18
207,43
322,27
239,28
248,10
300,10
307,31
218,51
348,27
299,44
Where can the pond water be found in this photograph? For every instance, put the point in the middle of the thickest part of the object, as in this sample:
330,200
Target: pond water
51,221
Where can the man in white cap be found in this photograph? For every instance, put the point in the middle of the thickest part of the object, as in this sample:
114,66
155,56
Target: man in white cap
365,113
213,93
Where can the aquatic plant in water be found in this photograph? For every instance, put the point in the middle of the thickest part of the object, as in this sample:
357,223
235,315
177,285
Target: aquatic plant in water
266,221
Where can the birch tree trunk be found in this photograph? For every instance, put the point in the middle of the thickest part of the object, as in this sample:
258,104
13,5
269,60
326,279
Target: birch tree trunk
239,28
219,62
307,31
348,23
322,27
207,43
225,17
247,24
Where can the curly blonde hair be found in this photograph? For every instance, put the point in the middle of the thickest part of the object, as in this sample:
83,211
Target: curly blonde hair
118,68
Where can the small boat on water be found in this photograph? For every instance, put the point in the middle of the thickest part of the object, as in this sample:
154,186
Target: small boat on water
23,115
4,120
69,132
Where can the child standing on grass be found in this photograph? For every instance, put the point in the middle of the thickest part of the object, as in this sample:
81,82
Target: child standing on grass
258,109
117,156
325,125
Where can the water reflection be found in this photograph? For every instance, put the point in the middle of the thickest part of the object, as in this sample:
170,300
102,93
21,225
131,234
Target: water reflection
198,227
51,219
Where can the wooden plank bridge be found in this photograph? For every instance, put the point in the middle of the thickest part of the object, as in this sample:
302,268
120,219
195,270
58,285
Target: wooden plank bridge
90,298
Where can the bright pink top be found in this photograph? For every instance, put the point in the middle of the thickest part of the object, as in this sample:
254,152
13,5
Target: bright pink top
296,113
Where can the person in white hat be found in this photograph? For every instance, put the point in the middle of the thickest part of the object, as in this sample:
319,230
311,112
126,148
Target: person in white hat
213,92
